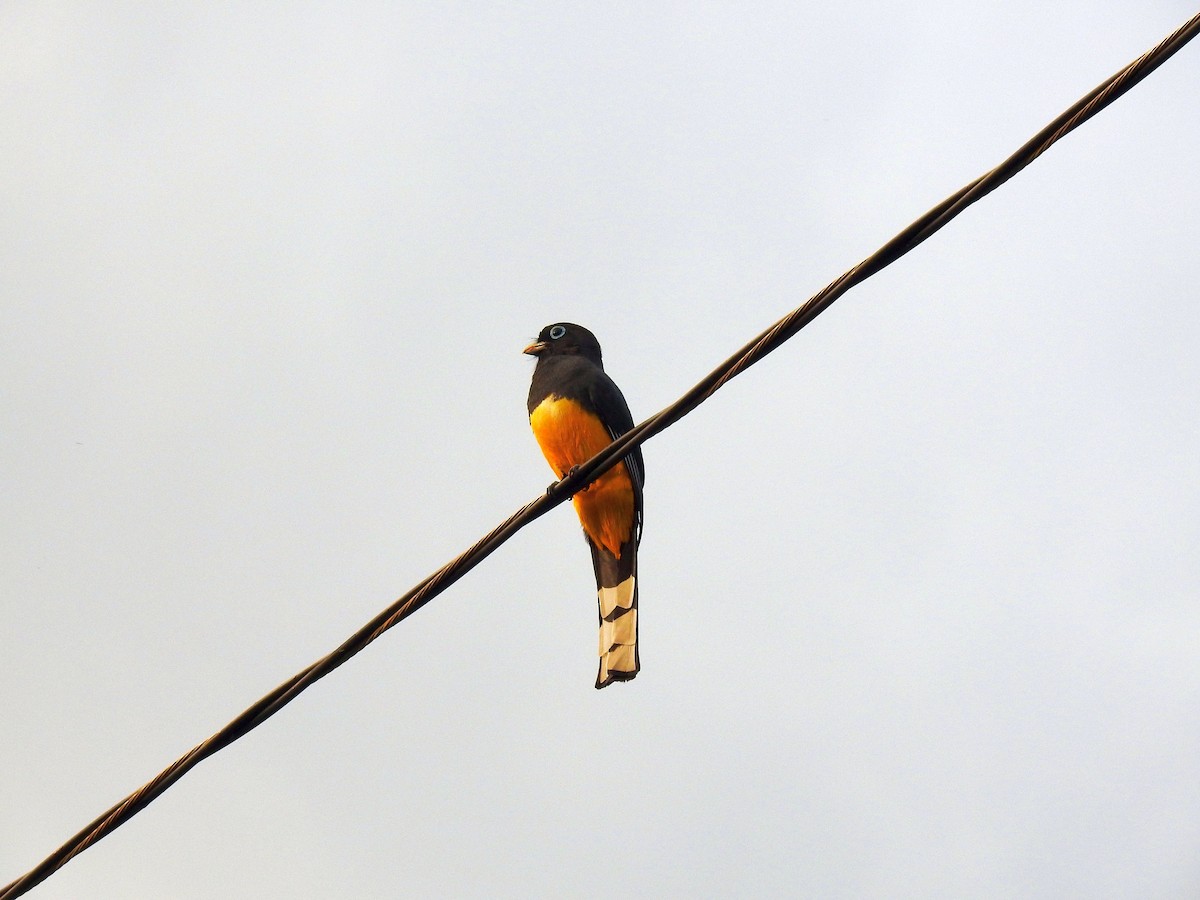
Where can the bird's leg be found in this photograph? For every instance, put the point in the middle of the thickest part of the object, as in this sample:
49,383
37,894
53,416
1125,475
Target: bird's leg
572,471
567,474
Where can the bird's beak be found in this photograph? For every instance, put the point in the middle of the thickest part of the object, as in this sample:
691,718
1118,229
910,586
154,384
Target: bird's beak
535,348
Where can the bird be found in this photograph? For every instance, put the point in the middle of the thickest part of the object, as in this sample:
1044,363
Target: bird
575,411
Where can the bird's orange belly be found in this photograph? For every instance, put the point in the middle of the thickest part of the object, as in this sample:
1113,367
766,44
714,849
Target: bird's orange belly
569,435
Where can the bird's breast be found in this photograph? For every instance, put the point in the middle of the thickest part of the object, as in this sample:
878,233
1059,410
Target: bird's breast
570,435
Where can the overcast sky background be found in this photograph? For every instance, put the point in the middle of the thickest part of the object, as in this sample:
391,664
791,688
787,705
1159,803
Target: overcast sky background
919,593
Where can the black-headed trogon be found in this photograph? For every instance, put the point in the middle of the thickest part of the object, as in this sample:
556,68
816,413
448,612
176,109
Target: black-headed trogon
576,411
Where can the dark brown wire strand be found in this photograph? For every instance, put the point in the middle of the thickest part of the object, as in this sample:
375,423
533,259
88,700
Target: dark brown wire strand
755,350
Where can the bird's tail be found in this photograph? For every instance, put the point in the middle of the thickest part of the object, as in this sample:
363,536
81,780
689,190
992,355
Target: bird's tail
616,592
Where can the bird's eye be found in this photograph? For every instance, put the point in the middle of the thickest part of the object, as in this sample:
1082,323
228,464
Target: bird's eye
556,332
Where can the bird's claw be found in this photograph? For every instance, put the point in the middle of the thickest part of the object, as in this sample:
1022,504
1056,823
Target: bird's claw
567,474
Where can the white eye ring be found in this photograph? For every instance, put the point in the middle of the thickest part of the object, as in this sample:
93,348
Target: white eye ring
556,332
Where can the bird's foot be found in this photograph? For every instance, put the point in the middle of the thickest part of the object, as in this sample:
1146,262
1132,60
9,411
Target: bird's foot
567,474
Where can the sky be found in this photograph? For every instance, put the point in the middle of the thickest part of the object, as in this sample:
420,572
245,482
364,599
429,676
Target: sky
918,593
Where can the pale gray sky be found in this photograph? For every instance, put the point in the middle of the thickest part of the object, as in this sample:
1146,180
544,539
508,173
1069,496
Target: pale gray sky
919,593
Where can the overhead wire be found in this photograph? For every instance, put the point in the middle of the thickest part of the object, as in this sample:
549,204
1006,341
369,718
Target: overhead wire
766,342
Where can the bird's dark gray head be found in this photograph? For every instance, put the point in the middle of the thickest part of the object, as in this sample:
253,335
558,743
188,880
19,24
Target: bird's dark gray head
566,339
